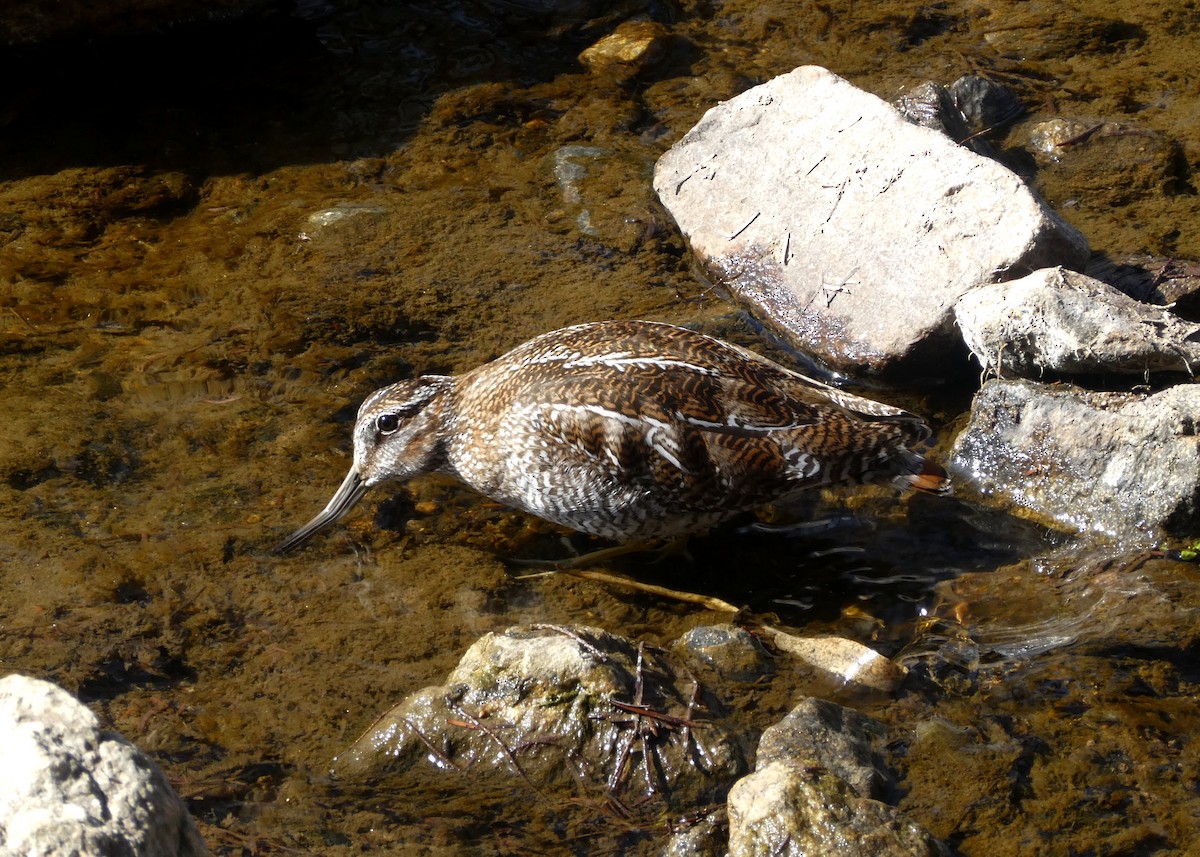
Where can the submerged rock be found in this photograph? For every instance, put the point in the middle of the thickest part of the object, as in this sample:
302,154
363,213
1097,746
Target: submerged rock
731,651
1061,321
561,706
599,187
969,108
796,808
1113,464
1108,163
853,231
70,787
1094,602
632,47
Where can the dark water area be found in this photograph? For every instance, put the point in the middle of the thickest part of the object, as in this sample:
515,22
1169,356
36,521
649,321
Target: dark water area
217,237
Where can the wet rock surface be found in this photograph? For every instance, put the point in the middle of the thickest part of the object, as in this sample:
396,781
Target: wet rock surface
967,111
707,836
633,47
1059,321
561,707
840,739
845,661
1085,461
793,808
729,650
71,787
805,198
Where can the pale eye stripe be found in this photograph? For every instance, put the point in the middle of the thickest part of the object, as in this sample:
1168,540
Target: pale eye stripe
407,406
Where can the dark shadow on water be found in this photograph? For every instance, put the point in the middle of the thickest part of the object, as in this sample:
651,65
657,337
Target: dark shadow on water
830,563
118,674
250,94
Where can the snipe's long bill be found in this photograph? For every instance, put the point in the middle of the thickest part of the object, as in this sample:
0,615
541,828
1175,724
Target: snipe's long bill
348,494
630,430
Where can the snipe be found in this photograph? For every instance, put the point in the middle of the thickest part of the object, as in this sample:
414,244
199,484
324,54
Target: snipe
629,430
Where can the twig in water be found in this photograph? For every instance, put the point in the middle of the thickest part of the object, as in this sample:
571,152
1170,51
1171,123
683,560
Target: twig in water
507,752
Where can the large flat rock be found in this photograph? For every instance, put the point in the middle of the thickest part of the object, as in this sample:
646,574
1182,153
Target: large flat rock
852,231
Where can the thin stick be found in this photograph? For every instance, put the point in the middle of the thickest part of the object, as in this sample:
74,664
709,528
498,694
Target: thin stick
709,601
650,714
507,751
441,757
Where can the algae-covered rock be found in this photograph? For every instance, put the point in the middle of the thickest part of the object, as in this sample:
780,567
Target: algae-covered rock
558,706
794,808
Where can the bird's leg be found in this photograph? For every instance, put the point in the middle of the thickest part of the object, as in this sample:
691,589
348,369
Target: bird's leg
592,557
677,546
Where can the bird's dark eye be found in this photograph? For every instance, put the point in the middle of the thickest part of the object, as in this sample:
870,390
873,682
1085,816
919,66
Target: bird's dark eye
387,423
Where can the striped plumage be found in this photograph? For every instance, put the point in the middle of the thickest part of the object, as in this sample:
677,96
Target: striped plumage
629,430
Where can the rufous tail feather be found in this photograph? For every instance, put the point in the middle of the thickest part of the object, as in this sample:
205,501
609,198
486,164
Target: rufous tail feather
931,478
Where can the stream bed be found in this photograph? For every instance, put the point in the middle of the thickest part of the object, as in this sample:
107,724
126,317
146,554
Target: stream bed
202,274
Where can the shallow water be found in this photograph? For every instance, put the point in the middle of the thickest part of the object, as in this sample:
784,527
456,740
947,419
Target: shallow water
201,282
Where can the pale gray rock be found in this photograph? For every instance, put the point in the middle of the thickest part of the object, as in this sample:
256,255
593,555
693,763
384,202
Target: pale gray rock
1110,464
1060,321
844,741
71,788
553,705
851,230
795,808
